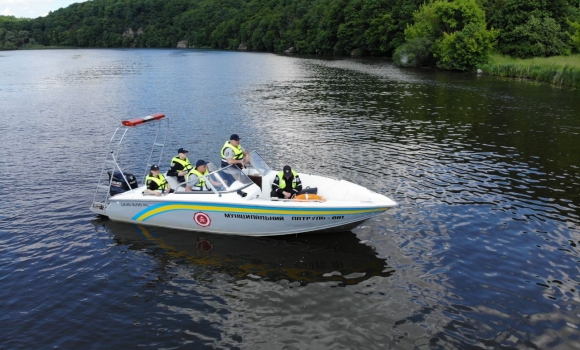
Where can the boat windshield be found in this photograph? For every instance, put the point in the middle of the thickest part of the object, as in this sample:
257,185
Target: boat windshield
229,179
258,163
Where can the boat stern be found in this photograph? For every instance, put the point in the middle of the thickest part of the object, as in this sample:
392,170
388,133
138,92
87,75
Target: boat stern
99,208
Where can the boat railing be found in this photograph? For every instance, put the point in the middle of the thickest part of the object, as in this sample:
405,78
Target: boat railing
111,165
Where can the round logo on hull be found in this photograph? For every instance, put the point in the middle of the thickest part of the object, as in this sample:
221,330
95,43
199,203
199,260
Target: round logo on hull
202,219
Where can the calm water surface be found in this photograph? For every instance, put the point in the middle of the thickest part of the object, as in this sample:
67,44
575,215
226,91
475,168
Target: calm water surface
481,253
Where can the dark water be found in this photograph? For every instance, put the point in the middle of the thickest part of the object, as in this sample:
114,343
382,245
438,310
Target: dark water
481,253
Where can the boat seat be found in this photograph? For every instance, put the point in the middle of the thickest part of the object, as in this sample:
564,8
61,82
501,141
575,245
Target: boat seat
180,189
172,180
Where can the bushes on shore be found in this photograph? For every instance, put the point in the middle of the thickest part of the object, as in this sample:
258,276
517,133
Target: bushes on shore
559,71
448,35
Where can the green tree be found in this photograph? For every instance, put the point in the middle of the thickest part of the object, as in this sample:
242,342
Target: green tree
536,37
457,31
350,33
10,40
380,33
574,35
532,27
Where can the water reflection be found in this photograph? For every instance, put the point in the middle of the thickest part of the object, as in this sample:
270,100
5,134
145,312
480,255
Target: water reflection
339,257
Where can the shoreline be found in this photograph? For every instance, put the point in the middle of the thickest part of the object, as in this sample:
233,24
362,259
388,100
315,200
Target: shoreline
560,71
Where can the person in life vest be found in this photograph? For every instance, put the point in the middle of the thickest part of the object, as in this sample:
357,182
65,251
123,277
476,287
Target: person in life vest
195,181
286,184
180,165
234,153
156,183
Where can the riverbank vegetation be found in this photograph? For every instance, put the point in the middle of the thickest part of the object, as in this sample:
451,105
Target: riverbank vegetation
448,34
557,70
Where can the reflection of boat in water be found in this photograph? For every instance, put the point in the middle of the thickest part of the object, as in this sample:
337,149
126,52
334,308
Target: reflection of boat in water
305,259
237,202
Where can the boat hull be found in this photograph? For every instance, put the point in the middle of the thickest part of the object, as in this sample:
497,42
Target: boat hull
247,219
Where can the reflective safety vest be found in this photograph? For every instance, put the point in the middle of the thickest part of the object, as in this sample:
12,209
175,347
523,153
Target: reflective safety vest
200,185
161,182
238,153
185,163
282,182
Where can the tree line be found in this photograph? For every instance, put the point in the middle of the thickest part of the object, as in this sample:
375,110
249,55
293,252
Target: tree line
449,34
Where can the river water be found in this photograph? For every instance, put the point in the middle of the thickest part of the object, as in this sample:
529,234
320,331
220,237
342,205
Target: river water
482,251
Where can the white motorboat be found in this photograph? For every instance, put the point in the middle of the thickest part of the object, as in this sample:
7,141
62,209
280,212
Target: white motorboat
238,201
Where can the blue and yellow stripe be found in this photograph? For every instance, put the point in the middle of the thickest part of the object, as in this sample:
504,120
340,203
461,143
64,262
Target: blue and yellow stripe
161,208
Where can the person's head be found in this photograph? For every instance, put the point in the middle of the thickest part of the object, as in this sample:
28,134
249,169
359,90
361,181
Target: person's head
182,153
154,170
287,171
201,166
235,139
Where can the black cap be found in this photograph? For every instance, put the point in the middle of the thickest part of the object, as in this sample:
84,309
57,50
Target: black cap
200,162
181,150
155,167
287,170
235,137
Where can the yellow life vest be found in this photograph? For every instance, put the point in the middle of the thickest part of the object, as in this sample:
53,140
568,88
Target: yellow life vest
200,185
282,182
161,182
185,163
238,152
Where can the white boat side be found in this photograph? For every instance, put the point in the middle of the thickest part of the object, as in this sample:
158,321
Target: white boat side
256,214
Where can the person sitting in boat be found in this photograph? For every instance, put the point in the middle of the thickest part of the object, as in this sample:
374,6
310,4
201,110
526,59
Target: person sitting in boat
195,181
156,183
234,153
180,165
286,184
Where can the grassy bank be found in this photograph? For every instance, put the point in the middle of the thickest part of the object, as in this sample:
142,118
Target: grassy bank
559,70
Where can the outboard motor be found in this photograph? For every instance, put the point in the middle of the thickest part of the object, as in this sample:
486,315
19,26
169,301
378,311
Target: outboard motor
118,184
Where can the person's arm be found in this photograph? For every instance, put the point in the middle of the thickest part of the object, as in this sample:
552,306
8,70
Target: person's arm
247,155
176,170
151,191
298,186
276,185
215,183
229,153
192,181
235,161
173,170
280,191
182,171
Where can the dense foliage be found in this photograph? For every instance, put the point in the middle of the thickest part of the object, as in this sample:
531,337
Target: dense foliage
451,34
13,32
530,28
